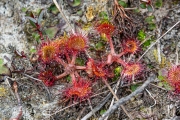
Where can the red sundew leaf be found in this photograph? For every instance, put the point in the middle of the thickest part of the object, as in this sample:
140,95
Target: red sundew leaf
174,78
105,28
80,89
47,51
132,69
131,46
47,78
77,42
95,69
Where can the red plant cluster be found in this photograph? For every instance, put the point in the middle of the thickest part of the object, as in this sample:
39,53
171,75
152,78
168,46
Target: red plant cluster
96,69
173,78
70,46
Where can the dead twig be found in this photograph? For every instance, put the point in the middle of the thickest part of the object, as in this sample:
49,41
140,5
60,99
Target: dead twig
125,99
31,77
6,78
77,103
177,55
61,12
159,44
151,97
64,109
81,112
115,96
49,94
91,107
98,107
158,87
115,91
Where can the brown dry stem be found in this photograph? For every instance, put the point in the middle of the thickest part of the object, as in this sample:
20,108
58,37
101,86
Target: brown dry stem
123,22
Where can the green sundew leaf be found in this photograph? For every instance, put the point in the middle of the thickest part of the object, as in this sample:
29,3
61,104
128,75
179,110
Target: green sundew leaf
152,26
80,62
76,3
160,84
102,111
143,5
122,3
161,78
103,15
167,86
53,9
36,36
115,78
51,32
134,87
103,37
147,43
80,13
149,7
33,50
68,78
99,46
117,72
136,10
24,9
160,72
164,83
38,11
149,19
3,69
141,35
158,3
